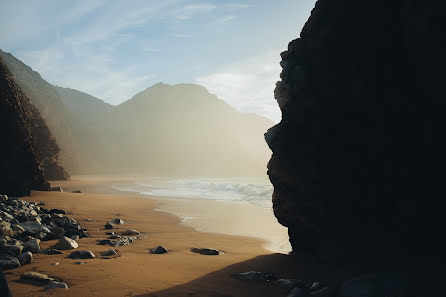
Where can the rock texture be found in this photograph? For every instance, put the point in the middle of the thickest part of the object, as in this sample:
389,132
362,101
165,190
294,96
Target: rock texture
20,166
359,156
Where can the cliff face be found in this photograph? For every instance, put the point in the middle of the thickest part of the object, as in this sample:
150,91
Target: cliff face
20,167
46,99
359,156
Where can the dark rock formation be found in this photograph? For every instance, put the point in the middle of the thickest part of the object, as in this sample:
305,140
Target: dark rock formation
20,166
52,110
42,101
358,163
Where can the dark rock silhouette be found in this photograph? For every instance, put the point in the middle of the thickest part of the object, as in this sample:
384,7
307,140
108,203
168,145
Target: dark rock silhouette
20,165
52,110
358,163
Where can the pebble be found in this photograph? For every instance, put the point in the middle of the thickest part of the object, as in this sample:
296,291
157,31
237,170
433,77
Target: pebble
109,225
205,251
55,284
255,276
55,264
158,250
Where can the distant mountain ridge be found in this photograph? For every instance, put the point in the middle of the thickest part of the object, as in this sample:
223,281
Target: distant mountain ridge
166,129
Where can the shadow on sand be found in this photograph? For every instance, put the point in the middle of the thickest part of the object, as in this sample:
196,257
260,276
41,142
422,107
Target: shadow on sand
221,283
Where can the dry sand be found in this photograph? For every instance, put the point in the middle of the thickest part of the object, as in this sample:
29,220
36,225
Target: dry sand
138,273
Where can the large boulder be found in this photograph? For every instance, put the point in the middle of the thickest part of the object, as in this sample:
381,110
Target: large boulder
359,155
66,243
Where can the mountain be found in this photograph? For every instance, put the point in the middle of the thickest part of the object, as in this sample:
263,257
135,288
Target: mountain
20,166
49,104
184,130
164,130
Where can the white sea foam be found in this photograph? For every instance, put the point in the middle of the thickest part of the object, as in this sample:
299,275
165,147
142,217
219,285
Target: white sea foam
253,191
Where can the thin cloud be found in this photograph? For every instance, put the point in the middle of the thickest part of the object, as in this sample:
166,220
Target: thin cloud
248,85
188,11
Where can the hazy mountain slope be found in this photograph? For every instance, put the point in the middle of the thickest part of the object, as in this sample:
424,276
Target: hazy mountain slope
90,118
48,102
183,129
163,130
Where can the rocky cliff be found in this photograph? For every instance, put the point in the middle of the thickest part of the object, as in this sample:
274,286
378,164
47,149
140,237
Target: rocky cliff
359,156
46,99
20,166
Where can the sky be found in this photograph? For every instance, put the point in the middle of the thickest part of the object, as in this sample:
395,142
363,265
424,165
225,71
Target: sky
115,49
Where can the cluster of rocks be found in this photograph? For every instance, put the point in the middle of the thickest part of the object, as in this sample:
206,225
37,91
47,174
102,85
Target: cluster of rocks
23,225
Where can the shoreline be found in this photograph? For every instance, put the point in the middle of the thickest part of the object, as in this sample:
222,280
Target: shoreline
204,215
138,273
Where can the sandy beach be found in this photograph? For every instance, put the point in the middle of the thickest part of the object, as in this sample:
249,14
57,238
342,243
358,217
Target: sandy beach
177,273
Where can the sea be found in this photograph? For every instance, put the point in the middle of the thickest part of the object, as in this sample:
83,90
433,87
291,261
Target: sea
256,191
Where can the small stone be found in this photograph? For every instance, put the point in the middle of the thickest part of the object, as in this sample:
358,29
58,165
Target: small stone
89,220
110,252
51,251
76,191
37,277
105,242
57,211
109,233
66,243
109,226
315,286
54,285
118,221
32,245
255,276
57,189
205,251
130,232
158,250
16,249
289,283
79,263
297,292
25,258
55,264
322,292
86,254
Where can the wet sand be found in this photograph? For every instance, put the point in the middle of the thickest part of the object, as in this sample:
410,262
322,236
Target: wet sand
138,273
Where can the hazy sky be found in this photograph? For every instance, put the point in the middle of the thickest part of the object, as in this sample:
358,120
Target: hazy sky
114,49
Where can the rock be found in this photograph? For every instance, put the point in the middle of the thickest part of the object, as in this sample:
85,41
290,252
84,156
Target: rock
297,292
109,226
55,264
255,276
109,233
32,246
77,191
86,254
66,243
57,211
79,263
130,232
74,237
57,232
205,251
54,285
158,250
89,220
124,241
41,203
322,292
110,252
315,286
15,249
32,213
7,260
105,242
25,258
375,285
5,229
17,228
51,251
36,277
57,189
31,226
289,284
114,237
118,221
